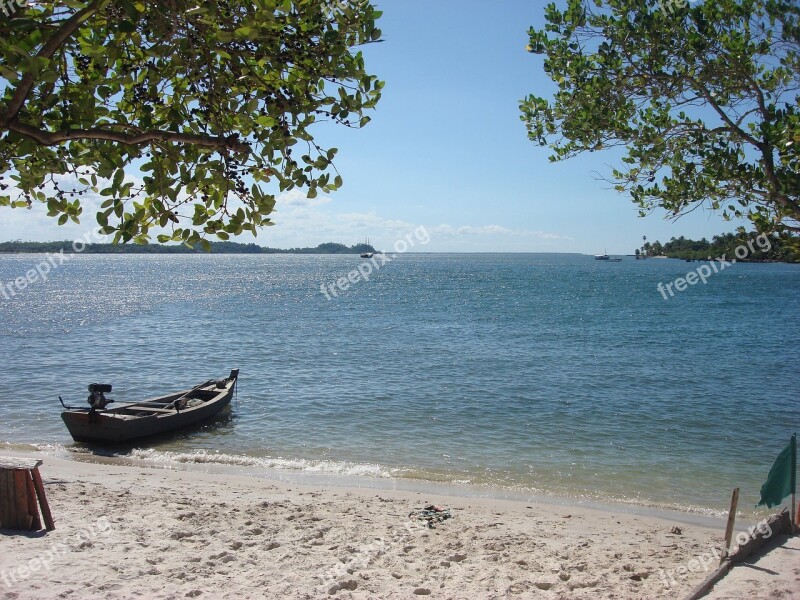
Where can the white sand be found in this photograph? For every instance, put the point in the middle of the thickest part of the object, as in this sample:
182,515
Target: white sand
773,575
149,532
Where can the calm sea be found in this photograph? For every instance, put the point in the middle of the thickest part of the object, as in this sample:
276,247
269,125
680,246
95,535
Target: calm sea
539,373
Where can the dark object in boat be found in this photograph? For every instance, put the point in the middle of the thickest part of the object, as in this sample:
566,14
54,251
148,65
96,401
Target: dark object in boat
127,422
97,395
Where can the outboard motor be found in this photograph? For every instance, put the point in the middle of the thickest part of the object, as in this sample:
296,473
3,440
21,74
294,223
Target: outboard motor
97,395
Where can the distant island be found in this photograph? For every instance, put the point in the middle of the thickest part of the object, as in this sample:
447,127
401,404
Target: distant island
19,247
766,249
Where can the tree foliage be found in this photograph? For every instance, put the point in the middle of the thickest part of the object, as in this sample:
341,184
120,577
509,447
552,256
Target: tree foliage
782,247
70,247
211,102
704,97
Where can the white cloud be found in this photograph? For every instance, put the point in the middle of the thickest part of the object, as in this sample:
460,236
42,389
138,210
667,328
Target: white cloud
450,230
298,198
300,221
495,230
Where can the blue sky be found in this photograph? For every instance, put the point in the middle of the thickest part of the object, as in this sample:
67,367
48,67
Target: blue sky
446,150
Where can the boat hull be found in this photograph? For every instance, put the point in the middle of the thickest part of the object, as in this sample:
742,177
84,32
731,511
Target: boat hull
139,421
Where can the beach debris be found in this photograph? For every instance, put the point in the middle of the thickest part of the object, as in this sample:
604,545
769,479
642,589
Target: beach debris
350,585
431,514
422,592
676,530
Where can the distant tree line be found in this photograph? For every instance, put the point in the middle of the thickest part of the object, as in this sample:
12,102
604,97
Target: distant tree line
781,248
19,247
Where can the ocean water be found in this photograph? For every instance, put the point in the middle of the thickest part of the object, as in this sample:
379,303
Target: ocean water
533,373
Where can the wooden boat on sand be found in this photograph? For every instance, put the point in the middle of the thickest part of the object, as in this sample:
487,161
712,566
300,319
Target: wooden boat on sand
126,422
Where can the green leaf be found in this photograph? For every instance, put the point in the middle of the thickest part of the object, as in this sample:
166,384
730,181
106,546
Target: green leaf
208,114
675,100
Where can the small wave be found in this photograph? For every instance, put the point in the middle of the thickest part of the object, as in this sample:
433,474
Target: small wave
238,460
23,447
473,484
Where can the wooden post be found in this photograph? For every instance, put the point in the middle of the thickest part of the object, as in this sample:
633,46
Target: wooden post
10,500
4,507
33,508
37,483
731,521
24,518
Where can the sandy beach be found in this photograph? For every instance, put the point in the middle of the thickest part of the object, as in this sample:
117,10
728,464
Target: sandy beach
149,532
773,574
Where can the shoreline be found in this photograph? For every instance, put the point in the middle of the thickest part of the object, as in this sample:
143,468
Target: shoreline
227,464
357,541
411,485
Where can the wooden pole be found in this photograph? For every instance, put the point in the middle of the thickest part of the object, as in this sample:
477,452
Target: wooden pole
33,508
39,486
9,499
731,521
24,518
794,479
797,522
5,507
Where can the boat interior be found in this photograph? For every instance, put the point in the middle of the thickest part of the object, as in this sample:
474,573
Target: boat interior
166,404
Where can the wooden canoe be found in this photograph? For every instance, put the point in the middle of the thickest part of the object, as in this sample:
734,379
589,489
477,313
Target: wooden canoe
151,417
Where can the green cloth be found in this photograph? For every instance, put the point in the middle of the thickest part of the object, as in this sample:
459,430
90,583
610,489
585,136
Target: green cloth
782,479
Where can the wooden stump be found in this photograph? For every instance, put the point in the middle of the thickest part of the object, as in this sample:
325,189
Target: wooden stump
20,488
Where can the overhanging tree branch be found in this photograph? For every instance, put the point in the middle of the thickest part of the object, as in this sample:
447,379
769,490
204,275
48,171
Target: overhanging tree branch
47,51
48,138
732,146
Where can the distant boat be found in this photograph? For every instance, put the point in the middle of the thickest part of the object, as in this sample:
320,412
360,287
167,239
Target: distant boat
606,258
367,254
96,423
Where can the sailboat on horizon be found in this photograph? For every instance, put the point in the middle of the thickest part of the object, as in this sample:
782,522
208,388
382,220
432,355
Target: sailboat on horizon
367,254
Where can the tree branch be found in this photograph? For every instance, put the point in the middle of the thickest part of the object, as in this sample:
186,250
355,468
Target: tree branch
47,51
48,138
737,131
